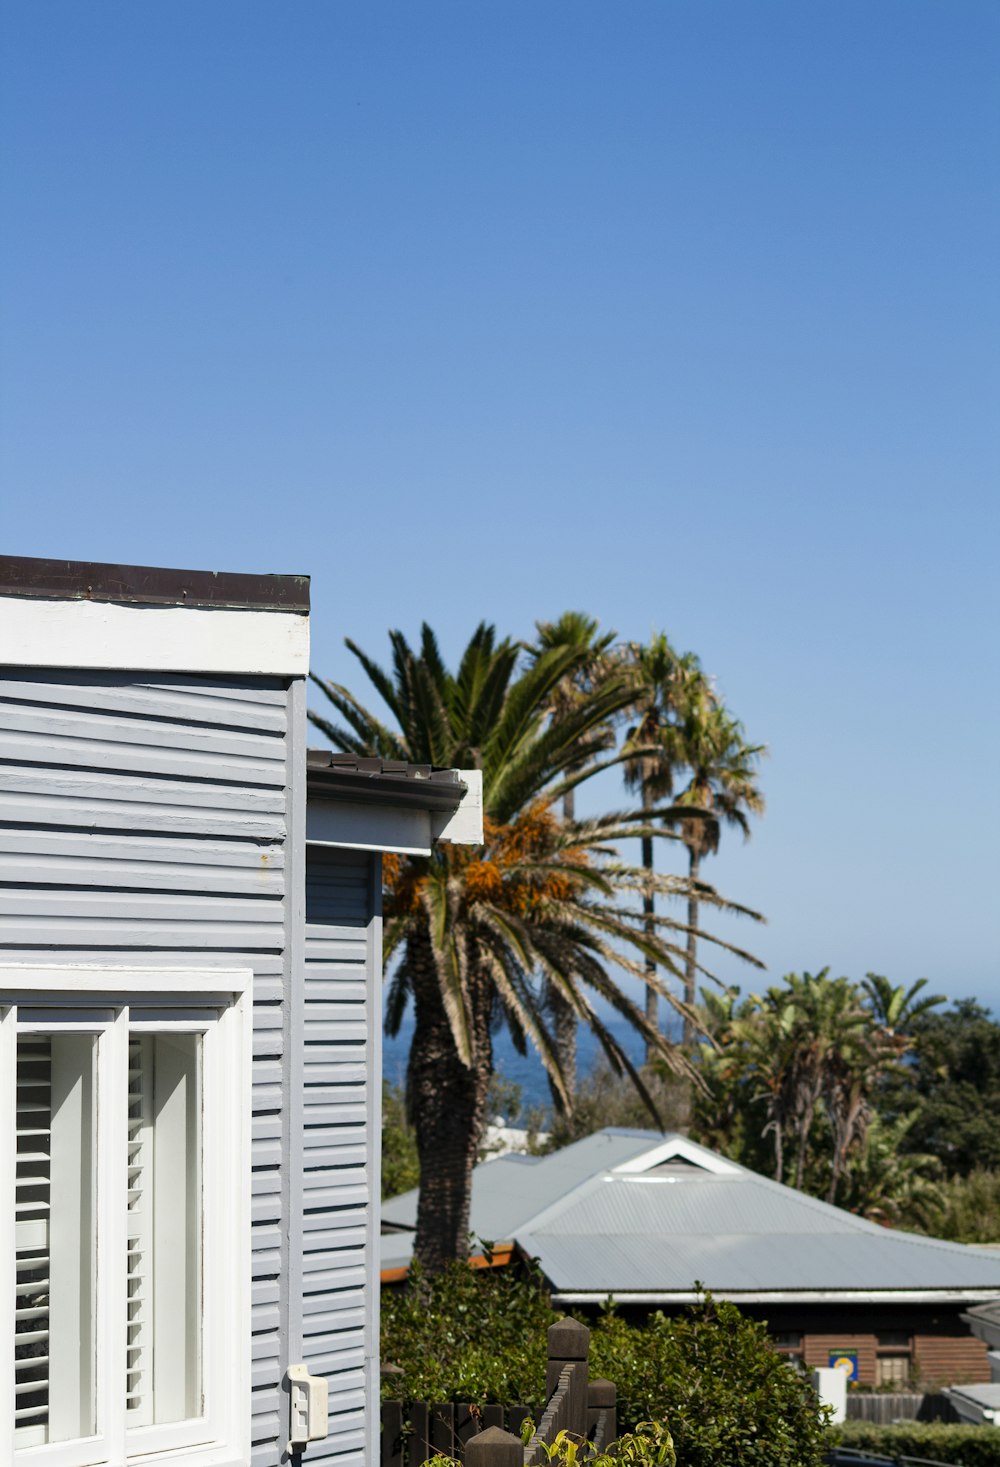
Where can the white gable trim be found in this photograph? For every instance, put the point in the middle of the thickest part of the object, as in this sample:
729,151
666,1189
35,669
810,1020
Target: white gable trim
36,632
681,1149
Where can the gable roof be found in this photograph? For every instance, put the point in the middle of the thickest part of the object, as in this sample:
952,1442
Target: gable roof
642,1216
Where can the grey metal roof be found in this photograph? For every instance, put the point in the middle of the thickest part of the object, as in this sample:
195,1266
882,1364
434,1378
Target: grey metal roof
602,1218
509,1190
986,1396
984,1321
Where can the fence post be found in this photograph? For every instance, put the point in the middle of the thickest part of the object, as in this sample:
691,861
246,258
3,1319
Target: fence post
602,1423
494,1448
569,1344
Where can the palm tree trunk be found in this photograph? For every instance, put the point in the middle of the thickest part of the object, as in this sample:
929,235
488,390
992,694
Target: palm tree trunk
691,969
447,1106
649,908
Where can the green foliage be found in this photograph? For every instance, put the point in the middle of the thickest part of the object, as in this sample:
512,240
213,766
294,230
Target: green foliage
650,1442
606,1099
714,1379
798,1076
710,1377
953,1078
650,1445
966,1209
400,1162
468,1335
965,1446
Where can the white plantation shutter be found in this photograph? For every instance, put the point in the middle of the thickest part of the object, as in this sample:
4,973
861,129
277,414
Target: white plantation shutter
31,1238
114,1190
139,1328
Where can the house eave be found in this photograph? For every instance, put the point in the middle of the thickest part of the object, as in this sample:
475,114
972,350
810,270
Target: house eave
780,1296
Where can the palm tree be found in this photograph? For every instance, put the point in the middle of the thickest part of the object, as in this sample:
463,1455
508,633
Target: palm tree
578,630
896,1008
653,757
721,786
473,931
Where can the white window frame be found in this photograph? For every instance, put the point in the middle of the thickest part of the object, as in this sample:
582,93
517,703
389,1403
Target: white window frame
185,998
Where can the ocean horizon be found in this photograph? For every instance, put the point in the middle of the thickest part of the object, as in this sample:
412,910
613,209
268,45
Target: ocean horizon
525,1071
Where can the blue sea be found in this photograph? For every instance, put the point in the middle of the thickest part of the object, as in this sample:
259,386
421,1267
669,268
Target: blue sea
524,1070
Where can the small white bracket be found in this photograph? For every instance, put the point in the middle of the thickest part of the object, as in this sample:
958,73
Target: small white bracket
307,1408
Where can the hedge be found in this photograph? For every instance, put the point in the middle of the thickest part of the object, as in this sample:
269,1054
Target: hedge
965,1446
709,1374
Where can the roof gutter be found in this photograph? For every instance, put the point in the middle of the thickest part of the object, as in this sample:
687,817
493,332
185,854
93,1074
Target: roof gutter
783,1296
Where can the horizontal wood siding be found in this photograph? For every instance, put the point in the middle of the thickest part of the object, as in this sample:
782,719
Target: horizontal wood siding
938,1358
942,1359
817,1348
145,817
338,1185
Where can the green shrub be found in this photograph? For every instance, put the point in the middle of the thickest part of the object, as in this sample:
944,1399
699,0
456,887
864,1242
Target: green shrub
966,1446
468,1335
713,1378
710,1376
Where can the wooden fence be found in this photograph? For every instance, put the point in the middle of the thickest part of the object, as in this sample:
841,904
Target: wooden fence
490,1436
884,1407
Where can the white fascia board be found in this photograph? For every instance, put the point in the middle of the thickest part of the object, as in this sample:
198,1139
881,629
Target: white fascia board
463,826
782,1296
69,978
362,827
678,1147
108,636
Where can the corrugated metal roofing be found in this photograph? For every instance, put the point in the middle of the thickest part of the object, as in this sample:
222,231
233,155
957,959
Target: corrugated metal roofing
598,1231
694,1204
508,1190
733,1263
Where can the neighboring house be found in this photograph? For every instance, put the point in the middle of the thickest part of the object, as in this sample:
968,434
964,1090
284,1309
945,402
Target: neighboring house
639,1217
189,1073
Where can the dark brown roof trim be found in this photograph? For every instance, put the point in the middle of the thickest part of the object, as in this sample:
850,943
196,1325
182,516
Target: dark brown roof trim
78,580
382,781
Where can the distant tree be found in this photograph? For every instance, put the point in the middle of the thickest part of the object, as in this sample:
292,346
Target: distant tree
805,1067
898,1008
593,666
966,1209
892,1186
606,1099
664,683
952,1078
722,786
689,748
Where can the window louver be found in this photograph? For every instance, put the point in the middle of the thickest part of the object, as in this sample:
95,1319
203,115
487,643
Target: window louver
139,1336
32,1203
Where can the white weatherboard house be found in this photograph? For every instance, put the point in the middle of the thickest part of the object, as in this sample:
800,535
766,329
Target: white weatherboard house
190,963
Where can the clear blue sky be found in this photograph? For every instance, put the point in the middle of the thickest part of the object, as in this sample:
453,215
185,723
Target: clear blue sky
686,314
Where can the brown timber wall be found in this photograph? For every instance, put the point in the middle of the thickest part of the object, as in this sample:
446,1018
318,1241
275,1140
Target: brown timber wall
941,1359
